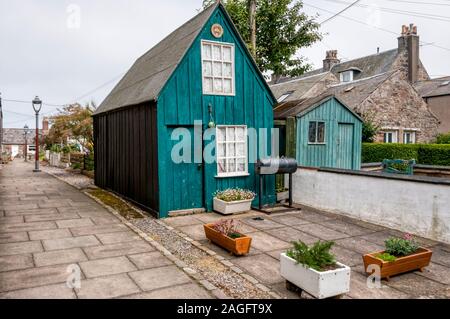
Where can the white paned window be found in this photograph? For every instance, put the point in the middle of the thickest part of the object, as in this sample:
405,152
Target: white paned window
391,137
409,137
231,151
218,68
347,76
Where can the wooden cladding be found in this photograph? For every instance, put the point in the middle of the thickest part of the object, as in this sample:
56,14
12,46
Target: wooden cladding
126,154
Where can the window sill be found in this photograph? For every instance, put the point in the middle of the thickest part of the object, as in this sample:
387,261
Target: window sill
232,176
317,144
219,94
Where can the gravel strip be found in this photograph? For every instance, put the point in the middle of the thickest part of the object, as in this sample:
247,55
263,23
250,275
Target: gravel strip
75,179
228,281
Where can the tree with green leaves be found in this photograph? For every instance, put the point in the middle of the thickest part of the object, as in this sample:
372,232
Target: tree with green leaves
73,122
369,131
282,29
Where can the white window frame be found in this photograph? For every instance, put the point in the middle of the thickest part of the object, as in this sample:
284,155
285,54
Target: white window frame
394,137
317,133
235,157
350,74
412,137
233,66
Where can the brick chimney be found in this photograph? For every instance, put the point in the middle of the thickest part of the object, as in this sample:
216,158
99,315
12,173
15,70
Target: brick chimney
330,60
45,124
409,42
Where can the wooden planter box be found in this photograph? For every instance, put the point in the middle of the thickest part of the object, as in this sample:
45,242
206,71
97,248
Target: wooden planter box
417,261
239,246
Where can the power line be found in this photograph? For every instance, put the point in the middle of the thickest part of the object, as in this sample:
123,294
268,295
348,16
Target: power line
340,12
372,26
29,102
100,87
17,113
56,106
423,3
400,12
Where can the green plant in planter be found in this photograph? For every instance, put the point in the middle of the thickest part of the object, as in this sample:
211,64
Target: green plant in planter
386,257
234,195
400,247
317,257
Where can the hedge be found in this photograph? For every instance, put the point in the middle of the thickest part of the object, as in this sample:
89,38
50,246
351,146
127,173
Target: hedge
425,154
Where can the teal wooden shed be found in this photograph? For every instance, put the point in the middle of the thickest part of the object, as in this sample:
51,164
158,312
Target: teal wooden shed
201,82
321,132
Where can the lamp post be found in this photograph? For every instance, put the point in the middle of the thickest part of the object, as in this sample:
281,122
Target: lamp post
37,105
25,150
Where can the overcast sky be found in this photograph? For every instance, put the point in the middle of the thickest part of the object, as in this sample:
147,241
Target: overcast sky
64,51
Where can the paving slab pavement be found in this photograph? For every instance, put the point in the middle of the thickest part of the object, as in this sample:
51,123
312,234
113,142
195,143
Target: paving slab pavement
48,227
353,238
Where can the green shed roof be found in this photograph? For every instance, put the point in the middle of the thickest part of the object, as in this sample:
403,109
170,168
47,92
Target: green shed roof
302,107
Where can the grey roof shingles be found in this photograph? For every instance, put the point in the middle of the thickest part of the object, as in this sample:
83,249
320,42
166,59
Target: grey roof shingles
298,87
146,78
369,66
354,93
433,87
350,94
16,136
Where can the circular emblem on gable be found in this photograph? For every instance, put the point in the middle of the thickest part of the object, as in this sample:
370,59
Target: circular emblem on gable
217,30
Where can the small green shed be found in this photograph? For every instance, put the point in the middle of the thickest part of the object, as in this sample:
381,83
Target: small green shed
199,78
320,132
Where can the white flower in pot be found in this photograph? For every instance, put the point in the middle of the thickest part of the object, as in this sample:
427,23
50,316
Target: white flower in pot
233,201
315,270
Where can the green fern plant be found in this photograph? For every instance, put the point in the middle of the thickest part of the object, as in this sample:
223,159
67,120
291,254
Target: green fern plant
317,257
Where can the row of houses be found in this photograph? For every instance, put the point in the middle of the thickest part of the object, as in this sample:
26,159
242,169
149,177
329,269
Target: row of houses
204,72
392,89
16,142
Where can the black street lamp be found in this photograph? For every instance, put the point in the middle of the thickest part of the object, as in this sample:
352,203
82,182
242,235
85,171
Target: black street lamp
25,150
37,105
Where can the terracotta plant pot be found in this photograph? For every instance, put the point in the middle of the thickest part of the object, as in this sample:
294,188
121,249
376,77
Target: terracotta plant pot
239,246
416,261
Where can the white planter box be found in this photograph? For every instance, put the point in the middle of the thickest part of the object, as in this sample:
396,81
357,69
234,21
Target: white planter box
229,208
282,196
321,285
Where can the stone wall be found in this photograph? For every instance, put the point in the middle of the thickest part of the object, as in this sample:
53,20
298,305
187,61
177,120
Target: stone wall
395,104
401,63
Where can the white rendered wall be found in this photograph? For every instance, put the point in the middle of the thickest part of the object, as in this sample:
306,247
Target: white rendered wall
410,206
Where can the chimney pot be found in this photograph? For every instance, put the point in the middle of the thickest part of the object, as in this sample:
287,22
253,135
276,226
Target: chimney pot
331,59
404,29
